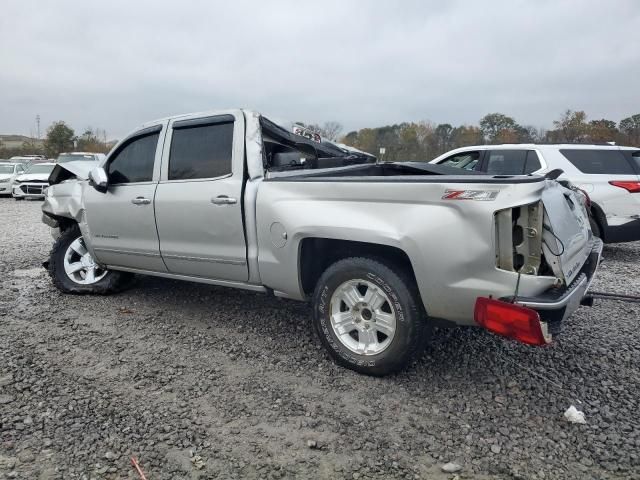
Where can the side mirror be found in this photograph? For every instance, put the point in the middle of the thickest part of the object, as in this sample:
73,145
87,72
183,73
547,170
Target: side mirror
98,179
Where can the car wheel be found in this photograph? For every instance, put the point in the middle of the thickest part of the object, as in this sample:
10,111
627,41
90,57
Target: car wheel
73,269
595,228
369,316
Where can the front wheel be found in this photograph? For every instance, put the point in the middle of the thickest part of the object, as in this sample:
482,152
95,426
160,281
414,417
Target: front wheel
74,270
369,316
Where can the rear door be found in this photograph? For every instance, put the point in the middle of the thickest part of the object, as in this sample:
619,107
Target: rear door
199,198
121,221
608,175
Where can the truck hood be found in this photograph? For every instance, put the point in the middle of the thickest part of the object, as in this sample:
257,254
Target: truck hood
78,168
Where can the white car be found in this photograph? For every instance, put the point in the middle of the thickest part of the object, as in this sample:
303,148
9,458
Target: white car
8,173
33,182
609,174
80,156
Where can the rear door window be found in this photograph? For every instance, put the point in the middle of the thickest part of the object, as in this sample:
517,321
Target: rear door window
599,162
464,160
506,162
201,151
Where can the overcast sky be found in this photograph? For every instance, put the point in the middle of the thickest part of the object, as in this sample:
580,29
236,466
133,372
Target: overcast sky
116,64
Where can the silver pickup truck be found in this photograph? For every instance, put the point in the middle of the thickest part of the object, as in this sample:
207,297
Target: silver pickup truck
383,251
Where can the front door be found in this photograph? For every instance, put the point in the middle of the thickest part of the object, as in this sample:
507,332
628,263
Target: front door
198,202
121,222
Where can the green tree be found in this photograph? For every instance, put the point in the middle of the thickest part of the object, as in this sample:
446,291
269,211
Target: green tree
90,141
630,128
60,138
443,136
602,131
466,135
496,127
572,126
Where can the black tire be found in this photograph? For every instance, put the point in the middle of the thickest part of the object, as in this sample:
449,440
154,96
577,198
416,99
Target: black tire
112,282
595,228
412,329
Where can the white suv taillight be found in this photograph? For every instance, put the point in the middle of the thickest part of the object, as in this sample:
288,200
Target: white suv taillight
629,186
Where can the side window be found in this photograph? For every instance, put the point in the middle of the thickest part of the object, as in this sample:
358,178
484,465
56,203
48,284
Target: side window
201,151
506,162
134,162
533,163
465,160
634,156
599,161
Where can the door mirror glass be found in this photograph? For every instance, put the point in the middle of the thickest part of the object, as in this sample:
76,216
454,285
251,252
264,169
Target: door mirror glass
98,179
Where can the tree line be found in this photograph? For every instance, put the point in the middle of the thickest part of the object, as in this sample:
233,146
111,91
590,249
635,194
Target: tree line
426,140
423,140
60,138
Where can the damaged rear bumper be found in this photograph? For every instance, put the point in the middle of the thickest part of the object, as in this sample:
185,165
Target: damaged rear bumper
557,304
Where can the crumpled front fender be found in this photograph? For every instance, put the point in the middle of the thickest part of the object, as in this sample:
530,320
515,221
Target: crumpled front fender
64,200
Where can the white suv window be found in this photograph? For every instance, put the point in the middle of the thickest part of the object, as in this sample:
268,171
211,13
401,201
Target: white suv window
598,162
464,160
512,162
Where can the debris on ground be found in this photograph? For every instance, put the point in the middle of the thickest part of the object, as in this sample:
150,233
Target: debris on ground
573,415
451,467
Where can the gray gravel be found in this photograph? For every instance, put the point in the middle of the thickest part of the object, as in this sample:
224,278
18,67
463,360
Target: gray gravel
204,382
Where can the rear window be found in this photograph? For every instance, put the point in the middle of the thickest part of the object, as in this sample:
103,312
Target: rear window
599,161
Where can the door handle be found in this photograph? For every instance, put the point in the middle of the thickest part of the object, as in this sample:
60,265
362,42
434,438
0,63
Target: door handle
141,201
224,200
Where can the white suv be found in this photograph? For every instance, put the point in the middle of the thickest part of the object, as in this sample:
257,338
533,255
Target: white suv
609,174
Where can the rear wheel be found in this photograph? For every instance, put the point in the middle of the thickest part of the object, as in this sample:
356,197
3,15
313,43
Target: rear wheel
74,270
369,316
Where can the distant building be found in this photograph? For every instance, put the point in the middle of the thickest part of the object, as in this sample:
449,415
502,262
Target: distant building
16,141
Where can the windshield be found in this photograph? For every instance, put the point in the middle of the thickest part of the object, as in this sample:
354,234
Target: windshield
6,168
69,157
40,169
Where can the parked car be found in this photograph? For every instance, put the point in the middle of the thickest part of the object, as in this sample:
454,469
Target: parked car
609,174
33,182
382,251
80,156
28,159
8,173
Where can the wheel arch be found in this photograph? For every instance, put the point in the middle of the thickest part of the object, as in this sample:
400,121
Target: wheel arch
316,254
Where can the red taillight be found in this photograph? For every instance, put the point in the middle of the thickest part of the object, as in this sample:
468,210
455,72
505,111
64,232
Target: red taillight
510,320
629,186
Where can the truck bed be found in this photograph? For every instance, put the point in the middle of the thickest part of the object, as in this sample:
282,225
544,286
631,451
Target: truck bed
398,172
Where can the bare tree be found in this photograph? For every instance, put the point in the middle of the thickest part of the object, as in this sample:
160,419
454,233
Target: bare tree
331,130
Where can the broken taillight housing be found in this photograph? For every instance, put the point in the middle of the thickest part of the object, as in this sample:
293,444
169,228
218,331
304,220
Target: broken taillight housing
511,320
629,186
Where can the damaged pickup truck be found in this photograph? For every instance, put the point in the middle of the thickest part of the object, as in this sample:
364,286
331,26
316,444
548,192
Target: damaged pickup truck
383,251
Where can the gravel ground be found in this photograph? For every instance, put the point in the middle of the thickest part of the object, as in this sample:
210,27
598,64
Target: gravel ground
205,382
